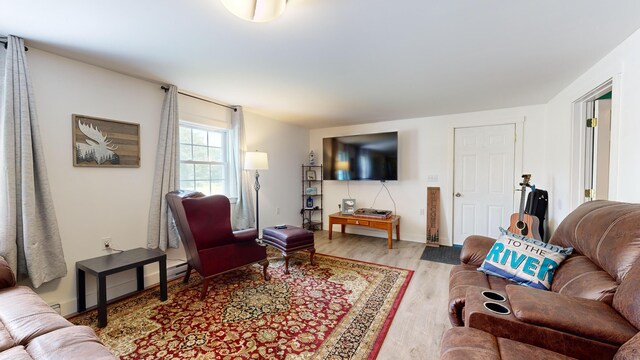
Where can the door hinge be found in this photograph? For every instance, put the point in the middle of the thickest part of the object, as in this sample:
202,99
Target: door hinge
593,122
590,193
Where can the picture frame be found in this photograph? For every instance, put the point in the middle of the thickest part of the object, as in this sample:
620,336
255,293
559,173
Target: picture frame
101,142
348,206
311,175
311,191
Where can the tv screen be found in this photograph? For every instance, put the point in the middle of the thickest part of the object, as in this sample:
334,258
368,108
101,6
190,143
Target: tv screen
361,157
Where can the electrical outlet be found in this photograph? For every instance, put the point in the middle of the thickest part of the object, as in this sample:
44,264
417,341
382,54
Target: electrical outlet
106,242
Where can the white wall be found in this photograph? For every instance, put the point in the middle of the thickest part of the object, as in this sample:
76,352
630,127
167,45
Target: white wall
623,66
92,203
426,149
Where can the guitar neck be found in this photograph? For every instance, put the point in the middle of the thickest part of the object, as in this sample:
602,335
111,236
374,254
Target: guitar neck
522,195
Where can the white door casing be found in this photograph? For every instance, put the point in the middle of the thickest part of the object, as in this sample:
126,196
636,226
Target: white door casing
484,178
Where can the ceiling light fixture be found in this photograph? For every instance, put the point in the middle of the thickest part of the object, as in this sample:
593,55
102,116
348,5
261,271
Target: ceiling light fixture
255,10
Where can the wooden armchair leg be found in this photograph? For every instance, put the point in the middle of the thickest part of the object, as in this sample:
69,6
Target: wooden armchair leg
187,274
205,288
265,265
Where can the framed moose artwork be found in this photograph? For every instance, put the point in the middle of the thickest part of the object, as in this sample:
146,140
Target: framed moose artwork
105,143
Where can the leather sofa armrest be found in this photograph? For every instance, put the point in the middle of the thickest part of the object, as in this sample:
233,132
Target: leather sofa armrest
475,249
584,317
6,275
463,343
245,235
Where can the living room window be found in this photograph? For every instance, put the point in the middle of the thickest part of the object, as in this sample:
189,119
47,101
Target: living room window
204,164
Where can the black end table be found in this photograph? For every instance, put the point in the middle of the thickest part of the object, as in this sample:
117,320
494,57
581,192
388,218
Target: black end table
110,264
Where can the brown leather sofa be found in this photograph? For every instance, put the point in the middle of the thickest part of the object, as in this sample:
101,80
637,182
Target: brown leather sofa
593,307
30,329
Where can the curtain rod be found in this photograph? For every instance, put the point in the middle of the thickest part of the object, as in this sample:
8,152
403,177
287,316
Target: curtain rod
5,45
166,88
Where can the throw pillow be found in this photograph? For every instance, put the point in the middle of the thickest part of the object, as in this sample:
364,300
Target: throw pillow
524,260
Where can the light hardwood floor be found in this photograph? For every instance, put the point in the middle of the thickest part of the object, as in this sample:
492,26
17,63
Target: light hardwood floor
422,318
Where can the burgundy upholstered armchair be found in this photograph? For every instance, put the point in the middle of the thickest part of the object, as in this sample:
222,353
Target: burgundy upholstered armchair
212,248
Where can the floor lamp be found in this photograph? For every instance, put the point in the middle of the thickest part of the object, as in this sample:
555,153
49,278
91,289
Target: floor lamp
256,160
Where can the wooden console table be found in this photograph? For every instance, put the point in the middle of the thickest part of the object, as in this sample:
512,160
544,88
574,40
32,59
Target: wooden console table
380,224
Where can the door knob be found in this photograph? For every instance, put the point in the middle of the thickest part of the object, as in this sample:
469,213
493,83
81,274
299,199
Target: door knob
458,194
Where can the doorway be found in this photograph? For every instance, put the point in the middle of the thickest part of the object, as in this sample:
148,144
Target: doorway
592,152
484,174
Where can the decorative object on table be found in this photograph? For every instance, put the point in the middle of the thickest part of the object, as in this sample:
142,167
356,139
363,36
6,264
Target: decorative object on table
350,306
104,143
348,206
255,10
309,203
311,191
311,175
312,158
256,160
433,216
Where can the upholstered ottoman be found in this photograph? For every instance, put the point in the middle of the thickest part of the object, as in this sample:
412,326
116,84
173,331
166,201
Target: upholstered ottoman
288,241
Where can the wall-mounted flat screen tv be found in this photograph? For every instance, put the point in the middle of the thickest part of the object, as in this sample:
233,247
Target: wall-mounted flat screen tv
361,157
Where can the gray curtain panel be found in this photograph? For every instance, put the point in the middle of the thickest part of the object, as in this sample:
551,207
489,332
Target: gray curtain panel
242,214
28,225
161,230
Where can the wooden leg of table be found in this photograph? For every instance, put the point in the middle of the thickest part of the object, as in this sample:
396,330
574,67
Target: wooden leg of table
342,227
390,237
81,291
162,264
102,301
140,277
398,231
330,230
313,252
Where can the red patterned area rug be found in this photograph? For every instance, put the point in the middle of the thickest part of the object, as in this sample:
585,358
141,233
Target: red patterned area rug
335,309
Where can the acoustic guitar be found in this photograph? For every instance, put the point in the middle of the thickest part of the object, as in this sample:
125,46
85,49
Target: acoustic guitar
521,223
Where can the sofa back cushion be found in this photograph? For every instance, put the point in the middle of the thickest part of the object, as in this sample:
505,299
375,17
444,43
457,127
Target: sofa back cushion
630,350
579,276
6,275
606,232
627,298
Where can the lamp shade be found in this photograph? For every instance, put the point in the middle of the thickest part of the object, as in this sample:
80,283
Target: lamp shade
256,160
255,10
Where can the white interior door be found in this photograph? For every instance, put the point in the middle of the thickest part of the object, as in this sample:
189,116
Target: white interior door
484,180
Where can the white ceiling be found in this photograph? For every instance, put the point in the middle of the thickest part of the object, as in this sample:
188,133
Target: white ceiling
334,62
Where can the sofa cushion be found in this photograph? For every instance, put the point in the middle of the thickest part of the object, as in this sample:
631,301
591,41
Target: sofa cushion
523,260
463,343
468,343
627,297
76,342
630,350
6,275
26,316
15,353
579,276
587,318
607,232
6,341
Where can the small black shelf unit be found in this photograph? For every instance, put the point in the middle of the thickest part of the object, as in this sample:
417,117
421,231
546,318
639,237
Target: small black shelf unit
312,217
